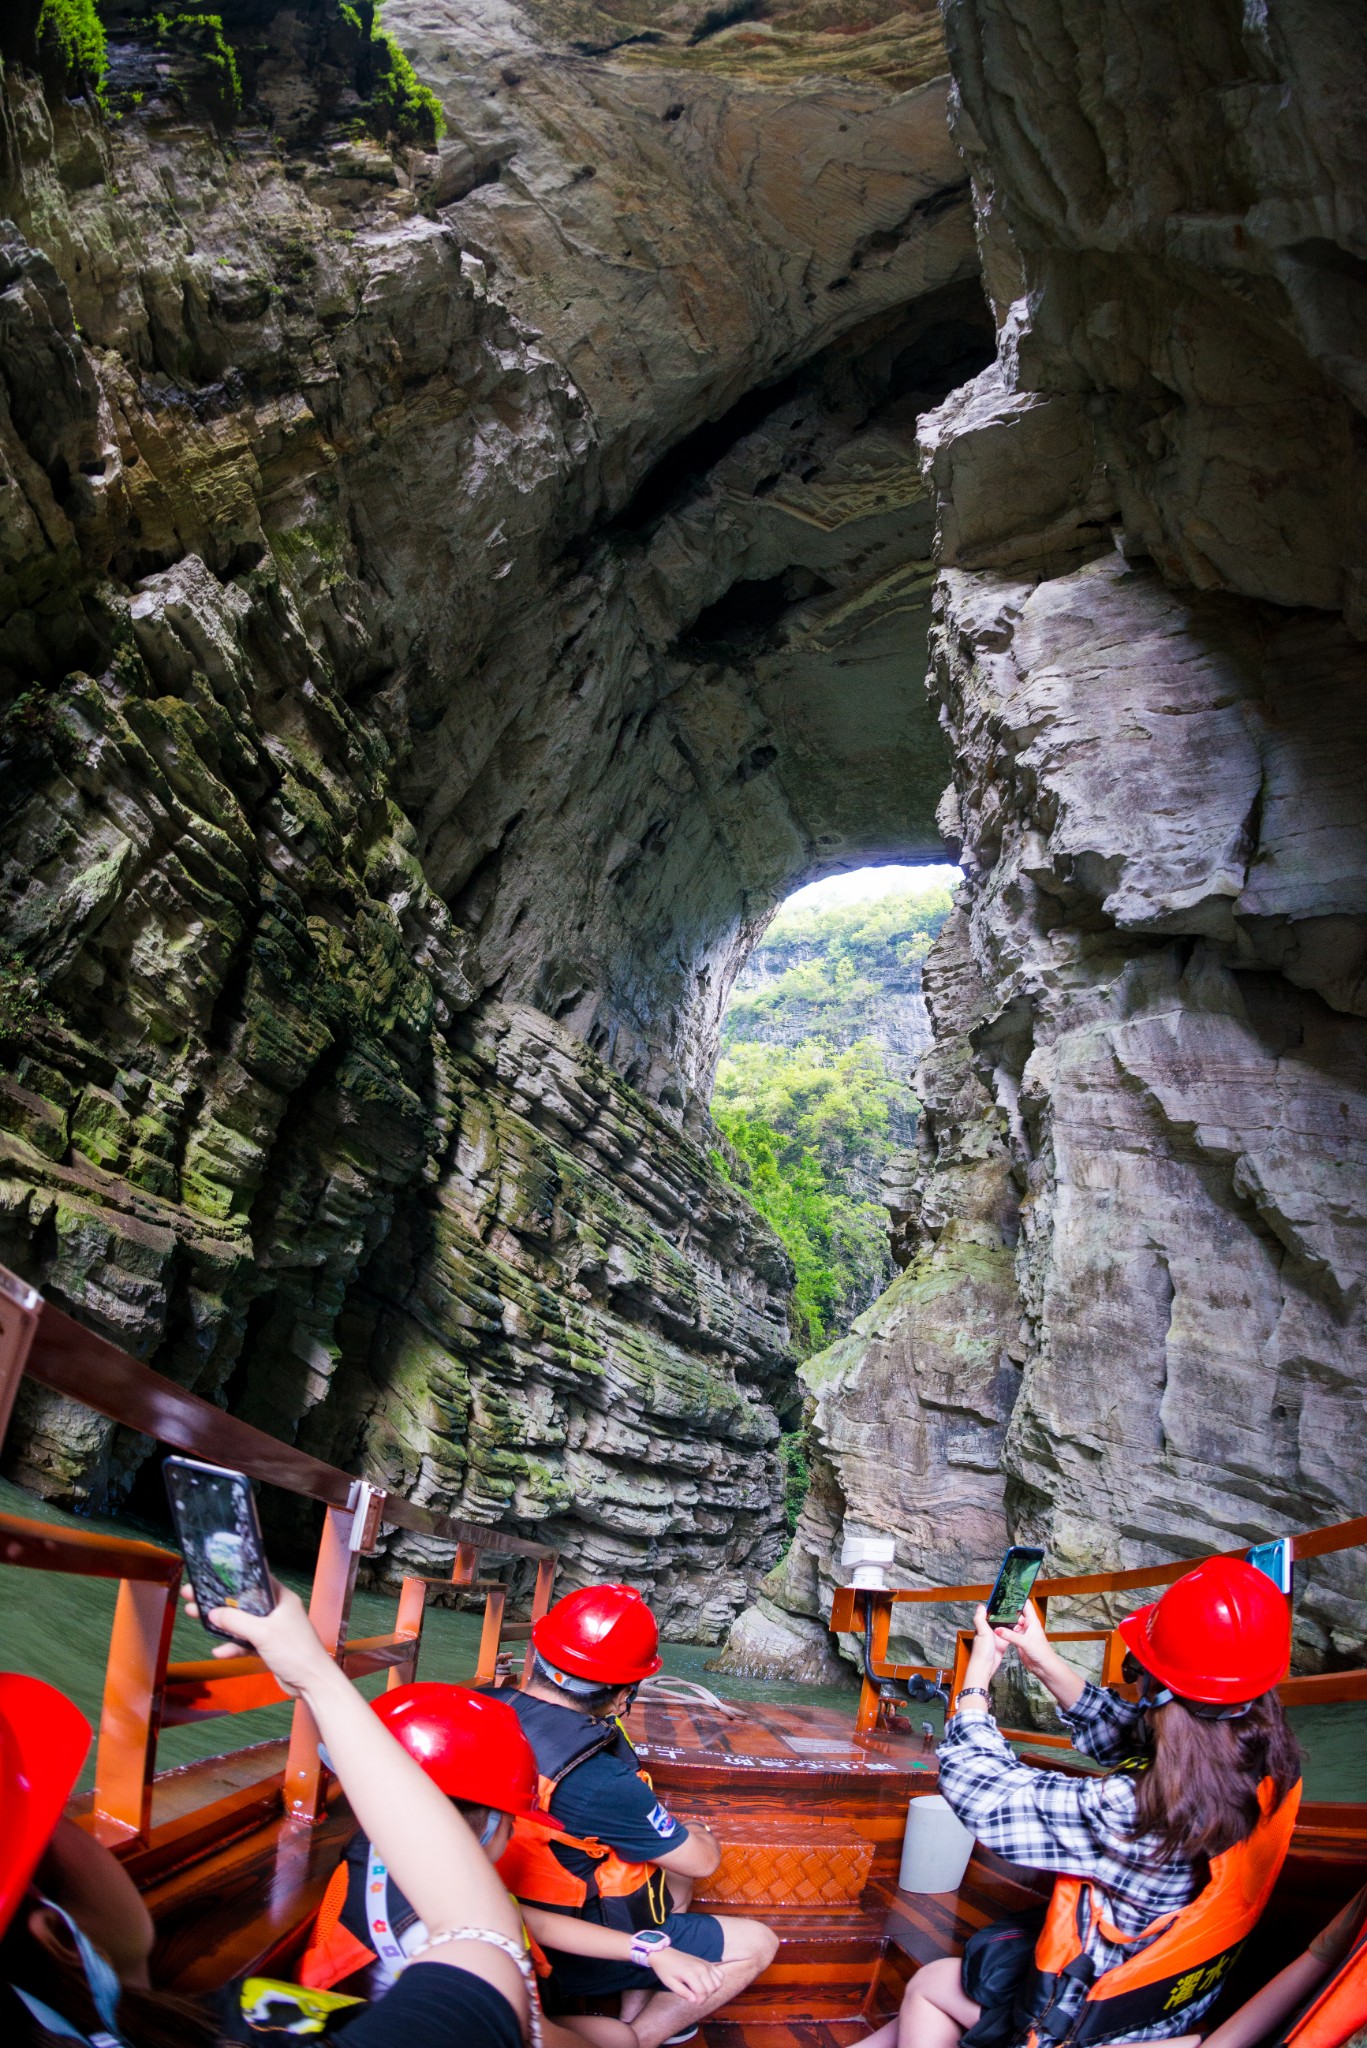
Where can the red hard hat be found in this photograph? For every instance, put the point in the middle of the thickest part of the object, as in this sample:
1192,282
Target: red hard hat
470,1744
1221,1634
605,1633
43,1743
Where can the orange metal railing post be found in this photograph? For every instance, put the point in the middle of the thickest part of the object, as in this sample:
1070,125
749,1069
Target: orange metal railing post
334,1580
412,1607
1113,1658
962,1651
125,1757
464,1564
541,1600
880,1608
494,1602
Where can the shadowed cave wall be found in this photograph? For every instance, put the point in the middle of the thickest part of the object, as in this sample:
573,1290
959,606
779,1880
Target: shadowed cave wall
451,595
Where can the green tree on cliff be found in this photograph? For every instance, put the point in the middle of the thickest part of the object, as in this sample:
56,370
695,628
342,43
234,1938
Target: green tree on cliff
812,1092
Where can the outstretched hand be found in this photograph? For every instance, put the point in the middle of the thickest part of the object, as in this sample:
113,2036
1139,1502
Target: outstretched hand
1026,1636
284,1639
691,1977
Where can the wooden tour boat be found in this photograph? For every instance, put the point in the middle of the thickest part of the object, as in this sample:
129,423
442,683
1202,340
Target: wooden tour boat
233,1854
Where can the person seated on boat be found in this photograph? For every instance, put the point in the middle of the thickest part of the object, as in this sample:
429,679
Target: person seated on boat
1319,2001
1166,1859
73,1965
622,1860
472,1747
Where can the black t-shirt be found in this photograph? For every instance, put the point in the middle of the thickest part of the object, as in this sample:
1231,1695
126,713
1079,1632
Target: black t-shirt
433,2005
604,1798
436,2006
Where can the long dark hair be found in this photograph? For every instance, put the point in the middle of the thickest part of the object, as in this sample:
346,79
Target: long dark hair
1198,1795
150,2019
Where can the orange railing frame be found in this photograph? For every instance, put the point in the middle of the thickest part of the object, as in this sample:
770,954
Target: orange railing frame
144,1692
848,1610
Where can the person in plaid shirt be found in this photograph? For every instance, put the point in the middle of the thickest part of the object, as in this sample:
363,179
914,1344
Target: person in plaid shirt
1176,1791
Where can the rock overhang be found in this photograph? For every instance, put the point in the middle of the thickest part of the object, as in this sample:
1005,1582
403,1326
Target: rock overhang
327,590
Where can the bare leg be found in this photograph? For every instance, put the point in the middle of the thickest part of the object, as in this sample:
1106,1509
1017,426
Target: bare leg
594,2027
748,1947
935,2010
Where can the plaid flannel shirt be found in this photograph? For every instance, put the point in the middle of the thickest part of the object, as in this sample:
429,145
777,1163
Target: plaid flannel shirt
1080,1827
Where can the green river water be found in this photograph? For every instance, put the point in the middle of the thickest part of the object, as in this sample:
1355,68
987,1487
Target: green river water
57,1628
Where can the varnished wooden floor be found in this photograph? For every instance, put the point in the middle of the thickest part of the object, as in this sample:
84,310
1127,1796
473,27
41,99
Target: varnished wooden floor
789,1788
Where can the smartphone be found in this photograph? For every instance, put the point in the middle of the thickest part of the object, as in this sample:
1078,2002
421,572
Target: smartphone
1020,1569
1275,1560
219,1532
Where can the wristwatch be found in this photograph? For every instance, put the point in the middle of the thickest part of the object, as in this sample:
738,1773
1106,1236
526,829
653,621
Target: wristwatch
647,1943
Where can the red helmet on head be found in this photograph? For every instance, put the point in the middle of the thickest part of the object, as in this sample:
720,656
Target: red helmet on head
43,1743
605,1633
1221,1633
470,1744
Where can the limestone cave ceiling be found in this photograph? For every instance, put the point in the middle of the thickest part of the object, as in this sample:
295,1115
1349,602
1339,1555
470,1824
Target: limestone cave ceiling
452,591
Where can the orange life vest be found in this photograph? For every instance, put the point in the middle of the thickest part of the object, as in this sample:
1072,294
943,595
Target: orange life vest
630,1895
1340,2009
334,1953
1178,1958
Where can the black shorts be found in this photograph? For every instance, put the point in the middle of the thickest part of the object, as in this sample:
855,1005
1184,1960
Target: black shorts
696,1934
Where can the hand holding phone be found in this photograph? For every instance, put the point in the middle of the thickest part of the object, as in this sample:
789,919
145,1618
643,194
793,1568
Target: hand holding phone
219,1532
1019,1570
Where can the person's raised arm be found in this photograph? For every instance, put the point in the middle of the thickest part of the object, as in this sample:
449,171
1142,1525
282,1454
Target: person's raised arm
431,1853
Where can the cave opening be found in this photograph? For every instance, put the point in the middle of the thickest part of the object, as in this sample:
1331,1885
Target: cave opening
822,1034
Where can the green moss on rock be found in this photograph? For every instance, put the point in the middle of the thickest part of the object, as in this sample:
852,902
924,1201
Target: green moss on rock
71,45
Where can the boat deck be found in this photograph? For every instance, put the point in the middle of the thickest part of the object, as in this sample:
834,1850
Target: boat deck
802,1802
811,1816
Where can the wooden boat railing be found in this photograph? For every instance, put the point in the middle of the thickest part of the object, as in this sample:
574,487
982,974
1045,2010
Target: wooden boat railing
852,1605
144,1692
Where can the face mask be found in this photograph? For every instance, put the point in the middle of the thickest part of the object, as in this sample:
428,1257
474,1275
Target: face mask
104,1992
490,1828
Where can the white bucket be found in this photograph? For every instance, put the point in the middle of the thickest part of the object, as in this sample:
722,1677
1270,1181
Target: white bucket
935,1848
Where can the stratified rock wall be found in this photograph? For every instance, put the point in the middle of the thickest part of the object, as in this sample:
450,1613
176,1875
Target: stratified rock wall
1149,516
446,596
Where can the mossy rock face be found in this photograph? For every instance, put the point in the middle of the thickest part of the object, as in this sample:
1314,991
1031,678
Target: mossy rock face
298,604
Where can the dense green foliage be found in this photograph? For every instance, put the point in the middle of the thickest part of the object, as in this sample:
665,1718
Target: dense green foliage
792,1448
204,33
833,965
811,1102
70,38
399,100
837,1244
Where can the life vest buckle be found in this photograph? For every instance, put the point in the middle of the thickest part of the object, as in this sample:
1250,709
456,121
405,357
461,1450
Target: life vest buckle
1065,1994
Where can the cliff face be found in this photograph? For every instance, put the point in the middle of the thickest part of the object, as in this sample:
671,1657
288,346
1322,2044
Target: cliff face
1131,1325
449,595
